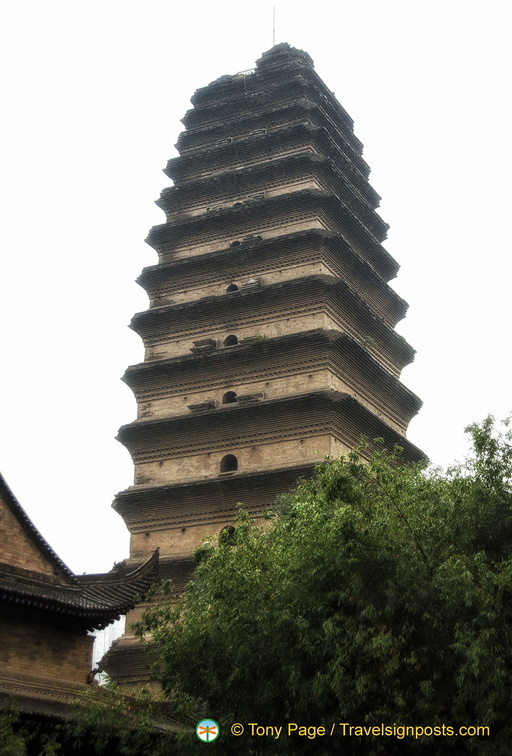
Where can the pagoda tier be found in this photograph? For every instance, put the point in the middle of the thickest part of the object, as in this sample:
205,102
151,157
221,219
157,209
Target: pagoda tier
282,63
290,173
278,366
240,113
239,105
270,218
264,311
289,256
271,440
269,338
197,505
154,444
304,135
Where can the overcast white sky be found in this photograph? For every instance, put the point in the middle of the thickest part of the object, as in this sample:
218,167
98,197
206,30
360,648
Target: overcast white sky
91,96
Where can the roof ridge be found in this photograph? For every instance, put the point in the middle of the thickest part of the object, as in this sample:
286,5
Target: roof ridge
30,529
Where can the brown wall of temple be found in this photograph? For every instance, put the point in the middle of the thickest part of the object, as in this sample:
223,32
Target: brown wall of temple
18,549
35,649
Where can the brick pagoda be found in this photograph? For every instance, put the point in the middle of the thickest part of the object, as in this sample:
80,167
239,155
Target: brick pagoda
269,339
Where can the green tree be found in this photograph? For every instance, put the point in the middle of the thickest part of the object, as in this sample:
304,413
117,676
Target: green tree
12,742
24,736
376,593
104,720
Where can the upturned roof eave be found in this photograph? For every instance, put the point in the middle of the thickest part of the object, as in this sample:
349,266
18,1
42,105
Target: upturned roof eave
95,600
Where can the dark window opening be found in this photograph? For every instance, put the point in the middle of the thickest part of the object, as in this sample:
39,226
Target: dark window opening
229,463
230,340
229,397
226,535
232,287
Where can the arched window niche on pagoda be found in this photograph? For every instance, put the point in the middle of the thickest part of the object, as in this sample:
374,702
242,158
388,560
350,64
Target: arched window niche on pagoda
229,464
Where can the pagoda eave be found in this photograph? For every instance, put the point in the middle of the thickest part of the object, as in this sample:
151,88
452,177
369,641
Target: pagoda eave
268,421
313,294
258,256
268,179
278,358
295,88
193,502
313,207
253,151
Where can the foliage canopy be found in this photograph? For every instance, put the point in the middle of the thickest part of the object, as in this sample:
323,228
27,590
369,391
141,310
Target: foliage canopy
378,592
25,738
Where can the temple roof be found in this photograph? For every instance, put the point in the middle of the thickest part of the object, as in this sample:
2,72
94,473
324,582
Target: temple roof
50,587
94,600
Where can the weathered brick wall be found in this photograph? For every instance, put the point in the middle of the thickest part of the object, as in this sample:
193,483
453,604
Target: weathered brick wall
271,389
269,277
16,546
31,648
275,388
263,456
259,326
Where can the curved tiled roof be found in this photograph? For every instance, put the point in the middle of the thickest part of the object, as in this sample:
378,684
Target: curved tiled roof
92,600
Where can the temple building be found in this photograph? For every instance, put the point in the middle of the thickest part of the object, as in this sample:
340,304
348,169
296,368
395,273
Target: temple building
269,338
47,614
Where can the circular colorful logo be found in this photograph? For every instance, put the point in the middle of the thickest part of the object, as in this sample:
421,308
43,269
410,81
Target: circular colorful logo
207,730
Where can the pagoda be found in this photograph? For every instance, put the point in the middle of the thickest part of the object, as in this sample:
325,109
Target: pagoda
269,338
